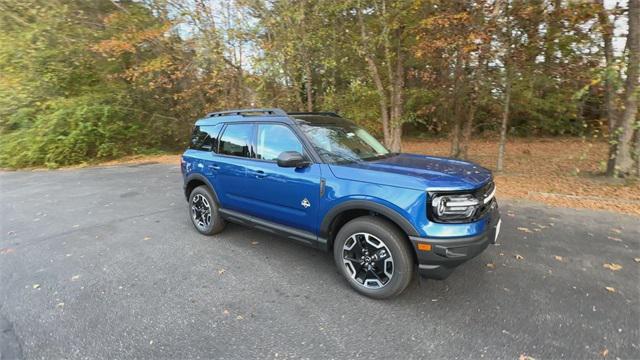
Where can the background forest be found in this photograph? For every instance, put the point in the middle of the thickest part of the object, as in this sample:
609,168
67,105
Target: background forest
91,80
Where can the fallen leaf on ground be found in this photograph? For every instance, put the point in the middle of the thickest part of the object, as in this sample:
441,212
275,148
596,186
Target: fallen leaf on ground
604,352
617,231
525,357
612,266
491,266
60,305
36,286
636,260
610,289
559,258
239,317
614,238
75,277
221,271
5,251
147,238
226,312
524,229
519,257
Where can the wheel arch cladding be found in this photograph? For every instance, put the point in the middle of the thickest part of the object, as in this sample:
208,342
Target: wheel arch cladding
349,210
195,180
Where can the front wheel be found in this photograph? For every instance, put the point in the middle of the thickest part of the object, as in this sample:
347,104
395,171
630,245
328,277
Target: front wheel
374,257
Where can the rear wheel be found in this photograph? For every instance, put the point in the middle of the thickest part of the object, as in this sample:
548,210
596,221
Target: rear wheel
374,257
204,213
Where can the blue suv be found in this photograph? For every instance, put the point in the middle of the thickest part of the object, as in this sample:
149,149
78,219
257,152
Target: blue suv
321,180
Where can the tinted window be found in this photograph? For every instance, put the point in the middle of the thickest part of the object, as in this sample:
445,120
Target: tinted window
205,138
236,140
273,139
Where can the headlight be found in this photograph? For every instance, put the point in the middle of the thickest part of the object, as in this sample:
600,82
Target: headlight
454,207
461,207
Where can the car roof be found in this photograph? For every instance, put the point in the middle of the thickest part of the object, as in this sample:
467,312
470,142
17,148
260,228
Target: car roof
272,115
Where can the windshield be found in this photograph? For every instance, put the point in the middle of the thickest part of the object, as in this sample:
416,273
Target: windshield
343,143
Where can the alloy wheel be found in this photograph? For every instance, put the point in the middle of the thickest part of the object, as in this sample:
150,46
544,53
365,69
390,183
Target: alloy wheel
368,260
201,212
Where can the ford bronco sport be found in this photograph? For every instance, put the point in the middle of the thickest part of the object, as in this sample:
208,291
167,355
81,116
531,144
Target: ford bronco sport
321,180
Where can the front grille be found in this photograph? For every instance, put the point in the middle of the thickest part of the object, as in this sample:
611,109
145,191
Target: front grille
485,190
481,194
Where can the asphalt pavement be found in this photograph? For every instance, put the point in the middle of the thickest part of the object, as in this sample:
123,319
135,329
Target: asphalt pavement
104,263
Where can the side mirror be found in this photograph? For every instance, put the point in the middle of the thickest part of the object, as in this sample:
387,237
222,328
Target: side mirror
292,159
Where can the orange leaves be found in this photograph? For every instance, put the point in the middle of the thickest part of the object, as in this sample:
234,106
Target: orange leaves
129,40
113,47
441,32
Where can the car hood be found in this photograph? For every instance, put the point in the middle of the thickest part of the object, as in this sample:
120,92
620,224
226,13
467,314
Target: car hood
416,172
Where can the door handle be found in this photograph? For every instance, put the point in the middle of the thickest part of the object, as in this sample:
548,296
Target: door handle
214,167
260,174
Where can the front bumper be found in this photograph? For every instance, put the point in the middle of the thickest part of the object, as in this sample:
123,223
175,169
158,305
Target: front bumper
447,253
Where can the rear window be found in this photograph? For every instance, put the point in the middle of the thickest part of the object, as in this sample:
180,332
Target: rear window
205,138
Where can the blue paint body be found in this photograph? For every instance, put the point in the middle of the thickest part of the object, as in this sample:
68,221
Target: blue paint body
400,183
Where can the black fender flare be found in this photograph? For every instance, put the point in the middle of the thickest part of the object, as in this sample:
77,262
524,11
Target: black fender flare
393,215
200,177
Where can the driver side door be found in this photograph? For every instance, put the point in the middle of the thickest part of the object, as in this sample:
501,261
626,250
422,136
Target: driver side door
287,196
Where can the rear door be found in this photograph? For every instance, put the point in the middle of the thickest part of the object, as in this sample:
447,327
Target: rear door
235,151
287,196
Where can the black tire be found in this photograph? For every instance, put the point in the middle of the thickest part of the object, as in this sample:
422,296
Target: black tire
201,198
401,258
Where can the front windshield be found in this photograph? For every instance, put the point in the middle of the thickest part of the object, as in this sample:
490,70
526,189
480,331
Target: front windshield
343,143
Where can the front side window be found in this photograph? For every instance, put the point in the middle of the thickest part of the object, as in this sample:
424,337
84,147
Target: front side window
338,143
274,139
205,138
236,140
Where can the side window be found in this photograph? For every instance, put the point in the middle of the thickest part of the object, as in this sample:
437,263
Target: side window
205,138
273,139
236,140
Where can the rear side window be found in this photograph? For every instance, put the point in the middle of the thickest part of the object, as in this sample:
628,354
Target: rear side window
236,140
205,138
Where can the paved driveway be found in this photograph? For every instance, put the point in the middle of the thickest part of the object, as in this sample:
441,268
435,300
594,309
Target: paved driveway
104,263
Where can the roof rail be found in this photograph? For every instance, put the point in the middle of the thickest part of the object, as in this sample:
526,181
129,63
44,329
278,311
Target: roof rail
245,112
324,113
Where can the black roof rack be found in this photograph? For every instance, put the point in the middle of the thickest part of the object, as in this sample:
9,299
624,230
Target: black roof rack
323,113
245,112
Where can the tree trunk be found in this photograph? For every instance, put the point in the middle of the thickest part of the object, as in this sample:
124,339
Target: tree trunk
609,91
505,122
467,129
638,152
308,86
457,106
397,98
382,94
624,160
377,80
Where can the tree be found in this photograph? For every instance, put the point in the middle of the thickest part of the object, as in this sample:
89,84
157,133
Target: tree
382,45
606,28
624,160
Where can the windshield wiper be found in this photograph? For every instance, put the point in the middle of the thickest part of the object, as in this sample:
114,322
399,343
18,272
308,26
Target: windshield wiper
380,157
